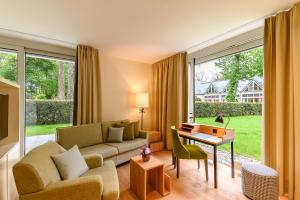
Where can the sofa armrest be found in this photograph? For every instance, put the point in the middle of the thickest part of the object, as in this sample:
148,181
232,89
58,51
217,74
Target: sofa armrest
89,187
145,135
93,160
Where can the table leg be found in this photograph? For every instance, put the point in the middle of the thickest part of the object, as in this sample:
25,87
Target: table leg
215,168
232,160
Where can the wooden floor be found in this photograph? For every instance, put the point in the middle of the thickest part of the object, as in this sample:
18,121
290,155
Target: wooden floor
191,183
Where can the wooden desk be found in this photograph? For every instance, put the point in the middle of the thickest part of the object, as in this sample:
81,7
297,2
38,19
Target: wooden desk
150,173
206,134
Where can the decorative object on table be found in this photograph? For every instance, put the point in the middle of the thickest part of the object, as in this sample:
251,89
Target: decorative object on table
142,102
259,181
220,119
146,153
155,141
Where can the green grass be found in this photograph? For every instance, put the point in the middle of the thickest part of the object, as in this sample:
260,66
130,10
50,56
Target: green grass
247,131
43,129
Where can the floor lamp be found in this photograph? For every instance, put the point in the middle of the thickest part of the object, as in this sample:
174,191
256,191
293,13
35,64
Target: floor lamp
142,102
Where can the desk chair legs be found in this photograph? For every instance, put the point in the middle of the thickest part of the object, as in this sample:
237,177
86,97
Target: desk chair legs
206,169
177,165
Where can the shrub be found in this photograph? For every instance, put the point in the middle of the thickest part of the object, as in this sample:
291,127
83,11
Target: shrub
40,96
48,112
198,99
209,109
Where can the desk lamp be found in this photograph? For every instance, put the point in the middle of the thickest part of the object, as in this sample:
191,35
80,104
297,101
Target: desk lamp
220,119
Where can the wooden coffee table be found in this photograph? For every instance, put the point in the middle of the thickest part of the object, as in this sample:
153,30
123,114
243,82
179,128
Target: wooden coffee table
146,175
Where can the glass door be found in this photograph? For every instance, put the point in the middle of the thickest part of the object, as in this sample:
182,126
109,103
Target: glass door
49,98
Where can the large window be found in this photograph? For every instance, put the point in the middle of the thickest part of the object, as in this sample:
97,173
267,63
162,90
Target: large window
49,97
8,64
232,85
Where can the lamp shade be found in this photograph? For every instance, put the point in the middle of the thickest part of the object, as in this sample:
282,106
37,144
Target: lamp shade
142,100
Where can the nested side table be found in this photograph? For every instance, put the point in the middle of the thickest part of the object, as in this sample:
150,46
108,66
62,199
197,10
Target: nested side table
145,174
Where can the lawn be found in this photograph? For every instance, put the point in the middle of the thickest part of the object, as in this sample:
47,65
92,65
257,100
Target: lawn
43,129
247,131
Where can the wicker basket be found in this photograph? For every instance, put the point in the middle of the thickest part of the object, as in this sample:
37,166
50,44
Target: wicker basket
259,182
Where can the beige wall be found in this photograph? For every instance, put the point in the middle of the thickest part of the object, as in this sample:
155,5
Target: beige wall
121,79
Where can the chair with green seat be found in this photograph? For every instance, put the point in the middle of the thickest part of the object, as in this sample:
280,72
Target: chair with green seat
187,151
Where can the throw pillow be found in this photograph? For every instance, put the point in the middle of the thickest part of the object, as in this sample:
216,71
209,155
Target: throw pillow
70,164
115,134
128,133
136,129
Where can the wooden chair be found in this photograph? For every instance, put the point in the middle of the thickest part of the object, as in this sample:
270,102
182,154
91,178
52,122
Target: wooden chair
186,151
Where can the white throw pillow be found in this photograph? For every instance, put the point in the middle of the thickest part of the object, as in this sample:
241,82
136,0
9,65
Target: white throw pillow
70,164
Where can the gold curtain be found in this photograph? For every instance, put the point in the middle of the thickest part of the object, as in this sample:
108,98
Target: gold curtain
87,86
169,95
282,98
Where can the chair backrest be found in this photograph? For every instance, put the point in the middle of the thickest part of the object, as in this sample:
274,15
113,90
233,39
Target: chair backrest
178,148
36,170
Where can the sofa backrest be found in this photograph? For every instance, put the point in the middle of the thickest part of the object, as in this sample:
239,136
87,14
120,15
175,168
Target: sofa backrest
37,169
82,135
106,125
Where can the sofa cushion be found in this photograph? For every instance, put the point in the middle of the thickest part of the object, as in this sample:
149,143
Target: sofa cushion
105,126
129,145
128,133
37,170
115,134
70,164
109,176
106,150
83,135
136,129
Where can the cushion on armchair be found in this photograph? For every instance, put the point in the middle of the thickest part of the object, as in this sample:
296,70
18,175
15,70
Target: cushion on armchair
70,164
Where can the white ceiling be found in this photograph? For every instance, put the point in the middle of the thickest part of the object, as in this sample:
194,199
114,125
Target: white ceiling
140,30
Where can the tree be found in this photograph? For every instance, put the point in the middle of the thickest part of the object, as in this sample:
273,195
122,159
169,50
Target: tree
61,81
8,66
244,65
70,80
41,77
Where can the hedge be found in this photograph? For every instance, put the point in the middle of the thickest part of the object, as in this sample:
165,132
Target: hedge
209,109
48,112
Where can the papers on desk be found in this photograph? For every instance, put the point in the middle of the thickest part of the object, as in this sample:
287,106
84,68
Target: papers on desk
207,137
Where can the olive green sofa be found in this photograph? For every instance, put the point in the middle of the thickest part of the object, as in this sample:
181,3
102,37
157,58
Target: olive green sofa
92,138
37,177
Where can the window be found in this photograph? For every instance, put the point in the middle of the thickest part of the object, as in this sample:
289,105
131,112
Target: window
49,97
8,64
235,82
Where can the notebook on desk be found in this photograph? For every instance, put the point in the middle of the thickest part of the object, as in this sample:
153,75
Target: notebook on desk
207,137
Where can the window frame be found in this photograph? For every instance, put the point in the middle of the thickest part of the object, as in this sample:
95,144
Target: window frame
25,46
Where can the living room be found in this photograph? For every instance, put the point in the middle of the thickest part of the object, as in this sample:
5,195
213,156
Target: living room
149,99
